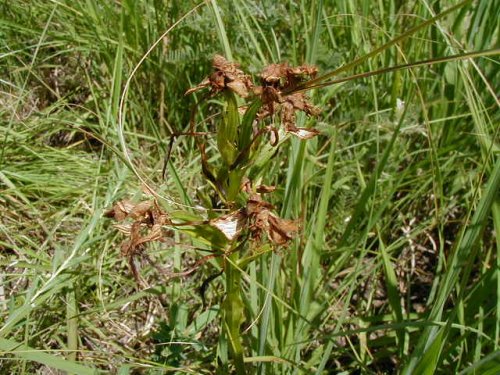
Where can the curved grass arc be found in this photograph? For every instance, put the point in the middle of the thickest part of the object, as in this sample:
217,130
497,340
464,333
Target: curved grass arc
122,106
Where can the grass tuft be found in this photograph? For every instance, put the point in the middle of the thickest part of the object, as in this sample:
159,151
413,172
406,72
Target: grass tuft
395,267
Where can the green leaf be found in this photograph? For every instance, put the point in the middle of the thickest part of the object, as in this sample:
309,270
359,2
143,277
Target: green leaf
203,320
228,130
431,341
207,235
489,365
27,353
234,183
246,129
385,46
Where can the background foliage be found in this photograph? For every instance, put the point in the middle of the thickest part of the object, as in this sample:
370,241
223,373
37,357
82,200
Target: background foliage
396,266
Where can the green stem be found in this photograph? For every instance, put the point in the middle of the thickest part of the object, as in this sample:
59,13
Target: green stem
233,312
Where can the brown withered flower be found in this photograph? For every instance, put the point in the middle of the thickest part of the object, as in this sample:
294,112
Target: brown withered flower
231,224
226,75
257,218
146,221
275,91
261,220
279,79
147,216
293,103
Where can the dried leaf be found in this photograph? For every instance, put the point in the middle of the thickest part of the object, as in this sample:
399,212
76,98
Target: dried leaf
280,231
239,88
265,189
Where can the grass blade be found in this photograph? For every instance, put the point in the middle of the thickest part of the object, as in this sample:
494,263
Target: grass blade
463,56
26,353
382,48
431,342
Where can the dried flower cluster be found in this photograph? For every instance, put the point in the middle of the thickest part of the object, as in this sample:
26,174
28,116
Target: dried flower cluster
277,79
257,217
146,224
275,91
261,220
226,75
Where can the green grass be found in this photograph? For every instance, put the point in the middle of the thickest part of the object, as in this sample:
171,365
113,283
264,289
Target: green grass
396,267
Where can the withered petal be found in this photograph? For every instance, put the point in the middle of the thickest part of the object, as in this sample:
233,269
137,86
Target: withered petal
123,228
274,72
308,70
275,138
220,63
121,210
230,224
266,188
201,85
280,230
140,209
303,133
239,88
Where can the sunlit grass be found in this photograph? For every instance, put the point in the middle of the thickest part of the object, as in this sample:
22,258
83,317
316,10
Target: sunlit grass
396,265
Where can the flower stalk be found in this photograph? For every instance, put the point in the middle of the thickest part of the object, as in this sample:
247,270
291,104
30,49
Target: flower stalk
233,311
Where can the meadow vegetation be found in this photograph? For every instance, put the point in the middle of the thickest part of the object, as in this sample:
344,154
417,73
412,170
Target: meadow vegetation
352,230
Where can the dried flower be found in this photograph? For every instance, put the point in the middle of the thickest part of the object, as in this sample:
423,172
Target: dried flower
277,79
226,75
